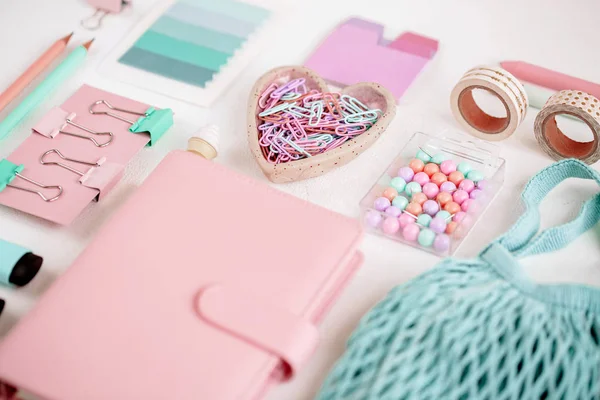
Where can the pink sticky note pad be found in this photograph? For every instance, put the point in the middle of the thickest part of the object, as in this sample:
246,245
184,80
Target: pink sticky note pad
356,51
75,196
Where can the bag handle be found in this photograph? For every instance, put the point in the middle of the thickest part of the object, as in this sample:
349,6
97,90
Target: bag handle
521,239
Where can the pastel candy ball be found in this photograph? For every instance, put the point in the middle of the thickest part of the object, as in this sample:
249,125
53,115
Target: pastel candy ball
419,198
411,232
393,211
381,203
431,207
412,187
398,183
459,216
438,178
421,178
448,187
438,225
466,205
460,196
424,220
444,198
400,201
452,207
445,215
456,177
431,190
447,167
451,227
476,193
406,173
441,242
439,158
467,185
416,165
426,237
390,225
431,169
390,193
414,208
404,220
421,155
482,184
464,167
373,218
475,176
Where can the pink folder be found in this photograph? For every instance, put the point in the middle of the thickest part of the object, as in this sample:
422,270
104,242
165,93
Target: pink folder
204,285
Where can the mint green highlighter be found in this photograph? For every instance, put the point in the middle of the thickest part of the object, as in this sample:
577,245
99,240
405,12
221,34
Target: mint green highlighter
54,79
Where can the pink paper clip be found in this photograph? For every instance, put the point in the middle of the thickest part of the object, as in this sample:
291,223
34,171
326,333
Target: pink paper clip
101,175
357,52
57,119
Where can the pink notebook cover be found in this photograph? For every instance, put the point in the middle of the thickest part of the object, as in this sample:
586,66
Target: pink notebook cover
204,285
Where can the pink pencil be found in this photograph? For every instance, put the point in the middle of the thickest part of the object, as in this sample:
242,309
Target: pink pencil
33,71
549,79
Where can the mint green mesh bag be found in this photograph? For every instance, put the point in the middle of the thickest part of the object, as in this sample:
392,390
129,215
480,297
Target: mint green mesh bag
481,329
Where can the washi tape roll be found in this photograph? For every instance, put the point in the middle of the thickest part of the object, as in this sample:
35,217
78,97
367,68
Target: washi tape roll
553,141
499,83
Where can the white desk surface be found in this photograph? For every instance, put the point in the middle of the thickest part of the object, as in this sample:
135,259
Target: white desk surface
470,33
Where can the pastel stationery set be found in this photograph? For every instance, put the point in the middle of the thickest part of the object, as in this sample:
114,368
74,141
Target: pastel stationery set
356,51
187,293
191,49
73,156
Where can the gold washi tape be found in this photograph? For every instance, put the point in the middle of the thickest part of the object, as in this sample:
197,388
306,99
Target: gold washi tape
553,141
499,83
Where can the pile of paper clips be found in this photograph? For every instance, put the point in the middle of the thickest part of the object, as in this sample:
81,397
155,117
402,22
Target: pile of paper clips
297,123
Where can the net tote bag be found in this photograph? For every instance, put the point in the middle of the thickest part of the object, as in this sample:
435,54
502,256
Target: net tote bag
480,328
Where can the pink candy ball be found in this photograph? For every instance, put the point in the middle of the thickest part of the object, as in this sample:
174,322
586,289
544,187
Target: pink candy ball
467,185
406,173
390,225
460,196
476,193
421,178
404,220
411,232
459,216
447,187
430,190
447,167
466,204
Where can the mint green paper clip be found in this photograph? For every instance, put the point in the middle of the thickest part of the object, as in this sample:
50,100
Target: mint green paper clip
152,121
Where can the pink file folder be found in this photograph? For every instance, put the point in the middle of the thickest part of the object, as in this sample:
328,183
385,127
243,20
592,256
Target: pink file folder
204,285
75,196
357,52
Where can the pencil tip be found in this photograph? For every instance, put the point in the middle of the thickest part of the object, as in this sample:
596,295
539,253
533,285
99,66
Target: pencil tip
88,44
68,37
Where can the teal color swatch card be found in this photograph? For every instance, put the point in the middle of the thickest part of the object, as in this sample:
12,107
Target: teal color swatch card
194,39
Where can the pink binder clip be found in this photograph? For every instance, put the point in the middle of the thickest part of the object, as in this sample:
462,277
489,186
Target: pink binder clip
101,175
357,52
102,7
56,120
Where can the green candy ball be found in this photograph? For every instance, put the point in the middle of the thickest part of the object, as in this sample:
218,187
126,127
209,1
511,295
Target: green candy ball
398,183
400,201
421,155
426,237
424,220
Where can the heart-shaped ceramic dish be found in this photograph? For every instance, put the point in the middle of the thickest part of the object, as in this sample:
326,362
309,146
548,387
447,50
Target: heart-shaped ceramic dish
372,95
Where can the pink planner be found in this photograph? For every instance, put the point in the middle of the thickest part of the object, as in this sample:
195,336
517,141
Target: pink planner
205,285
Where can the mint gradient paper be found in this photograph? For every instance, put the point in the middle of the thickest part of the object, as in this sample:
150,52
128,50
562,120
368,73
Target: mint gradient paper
194,39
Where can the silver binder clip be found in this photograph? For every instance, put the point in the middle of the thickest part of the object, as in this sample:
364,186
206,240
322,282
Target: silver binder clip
56,120
9,171
101,176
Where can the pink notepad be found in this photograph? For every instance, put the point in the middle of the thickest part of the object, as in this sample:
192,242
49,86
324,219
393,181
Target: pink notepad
204,285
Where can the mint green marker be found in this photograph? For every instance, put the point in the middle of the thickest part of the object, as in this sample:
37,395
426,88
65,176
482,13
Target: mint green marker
55,78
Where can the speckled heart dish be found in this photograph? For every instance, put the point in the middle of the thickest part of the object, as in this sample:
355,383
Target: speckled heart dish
372,95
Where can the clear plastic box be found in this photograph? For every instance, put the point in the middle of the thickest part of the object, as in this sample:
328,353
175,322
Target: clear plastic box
481,155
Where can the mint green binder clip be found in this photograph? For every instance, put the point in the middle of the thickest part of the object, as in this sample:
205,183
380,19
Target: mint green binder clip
152,121
9,171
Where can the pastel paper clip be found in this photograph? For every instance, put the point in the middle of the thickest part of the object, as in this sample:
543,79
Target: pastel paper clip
152,121
9,171
55,122
393,64
101,175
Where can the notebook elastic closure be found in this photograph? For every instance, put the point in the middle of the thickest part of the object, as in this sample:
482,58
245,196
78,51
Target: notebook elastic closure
263,324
